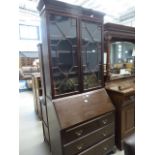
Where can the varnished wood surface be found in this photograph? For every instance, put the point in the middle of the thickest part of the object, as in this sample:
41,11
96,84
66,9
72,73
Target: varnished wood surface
122,86
125,113
89,140
119,31
79,108
125,91
50,7
69,8
119,28
88,111
79,131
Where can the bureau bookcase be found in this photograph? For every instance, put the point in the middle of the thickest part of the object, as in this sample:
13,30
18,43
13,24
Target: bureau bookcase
79,113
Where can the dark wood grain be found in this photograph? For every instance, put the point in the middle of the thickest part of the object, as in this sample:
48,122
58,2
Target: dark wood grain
85,142
43,98
125,113
68,8
101,148
79,108
87,127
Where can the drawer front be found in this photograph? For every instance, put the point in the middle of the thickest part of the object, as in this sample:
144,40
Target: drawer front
44,114
101,148
85,128
88,140
45,132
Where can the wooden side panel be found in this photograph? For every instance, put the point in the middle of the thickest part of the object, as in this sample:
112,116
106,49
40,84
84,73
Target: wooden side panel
54,128
42,75
45,54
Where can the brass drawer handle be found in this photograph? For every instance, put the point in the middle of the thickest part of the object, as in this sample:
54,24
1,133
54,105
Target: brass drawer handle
105,148
80,147
79,133
104,121
104,134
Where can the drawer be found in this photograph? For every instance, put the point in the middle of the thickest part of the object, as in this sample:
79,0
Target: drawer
85,128
101,148
88,140
45,132
44,113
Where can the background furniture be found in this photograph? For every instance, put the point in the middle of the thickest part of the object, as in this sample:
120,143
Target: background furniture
121,87
119,35
26,72
28,65
82,124
37,93
124,101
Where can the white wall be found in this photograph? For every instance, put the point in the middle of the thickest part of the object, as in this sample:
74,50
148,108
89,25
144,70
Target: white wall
28,18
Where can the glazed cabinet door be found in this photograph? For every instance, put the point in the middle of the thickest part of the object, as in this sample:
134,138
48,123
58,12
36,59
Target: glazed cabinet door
91,36
63,51
128,119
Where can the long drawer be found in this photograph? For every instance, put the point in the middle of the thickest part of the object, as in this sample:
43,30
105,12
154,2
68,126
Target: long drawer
88,140
101,148
85,128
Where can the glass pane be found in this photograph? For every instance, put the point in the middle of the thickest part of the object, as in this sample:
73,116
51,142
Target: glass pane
122,58
91,54
64,54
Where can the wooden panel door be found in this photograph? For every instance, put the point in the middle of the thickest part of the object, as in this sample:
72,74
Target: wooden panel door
128,119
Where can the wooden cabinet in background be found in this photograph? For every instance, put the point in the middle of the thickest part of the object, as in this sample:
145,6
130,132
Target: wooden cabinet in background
37,92
43,105
119,49
124,101
128,119
119,41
